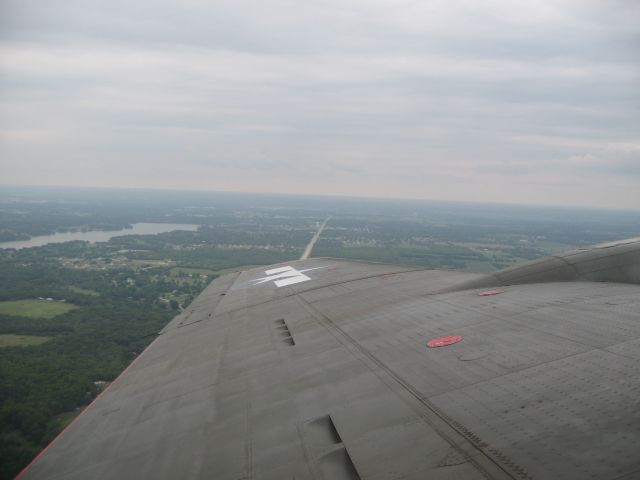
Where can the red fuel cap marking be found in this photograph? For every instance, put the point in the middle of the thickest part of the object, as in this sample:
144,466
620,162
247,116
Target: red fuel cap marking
488,293
444,341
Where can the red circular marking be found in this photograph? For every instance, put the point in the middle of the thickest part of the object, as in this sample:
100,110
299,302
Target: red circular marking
387,276
444,341
488,293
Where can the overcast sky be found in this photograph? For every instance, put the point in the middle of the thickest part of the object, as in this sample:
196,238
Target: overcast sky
493,100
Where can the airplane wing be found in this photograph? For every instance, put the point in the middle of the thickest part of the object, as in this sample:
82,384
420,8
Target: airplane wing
332,369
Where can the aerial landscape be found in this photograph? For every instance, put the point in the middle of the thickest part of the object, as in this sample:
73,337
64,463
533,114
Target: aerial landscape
338,240
74,314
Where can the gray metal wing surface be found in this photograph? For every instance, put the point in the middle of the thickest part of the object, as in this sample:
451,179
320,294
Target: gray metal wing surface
320,369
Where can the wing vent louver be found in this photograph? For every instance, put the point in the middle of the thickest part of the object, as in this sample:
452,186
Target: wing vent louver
325,444
284,333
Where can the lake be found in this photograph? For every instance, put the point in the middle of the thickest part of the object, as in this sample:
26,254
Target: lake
99,235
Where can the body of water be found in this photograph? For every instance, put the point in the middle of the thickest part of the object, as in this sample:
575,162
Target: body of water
100,235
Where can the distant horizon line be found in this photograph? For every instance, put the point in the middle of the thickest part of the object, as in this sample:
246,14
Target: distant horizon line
333,196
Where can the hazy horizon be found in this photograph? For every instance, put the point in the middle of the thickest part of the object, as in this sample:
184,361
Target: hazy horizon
406,200
527,104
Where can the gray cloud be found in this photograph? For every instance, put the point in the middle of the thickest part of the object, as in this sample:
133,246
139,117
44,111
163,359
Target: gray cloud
620,160
451,100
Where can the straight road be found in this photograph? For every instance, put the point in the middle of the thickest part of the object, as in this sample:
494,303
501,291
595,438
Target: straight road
307,251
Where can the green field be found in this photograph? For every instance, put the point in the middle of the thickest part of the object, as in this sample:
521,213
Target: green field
84,291
35,308
10,340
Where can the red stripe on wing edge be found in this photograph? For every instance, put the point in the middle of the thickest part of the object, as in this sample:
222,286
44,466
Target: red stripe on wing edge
39,456
488,293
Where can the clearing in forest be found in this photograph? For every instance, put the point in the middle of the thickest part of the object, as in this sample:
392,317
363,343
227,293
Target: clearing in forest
35,308
10,340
